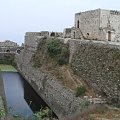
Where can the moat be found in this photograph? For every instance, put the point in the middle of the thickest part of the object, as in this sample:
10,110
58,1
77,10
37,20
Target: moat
21,99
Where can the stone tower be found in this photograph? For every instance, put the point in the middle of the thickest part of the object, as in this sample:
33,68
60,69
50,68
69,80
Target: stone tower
97,24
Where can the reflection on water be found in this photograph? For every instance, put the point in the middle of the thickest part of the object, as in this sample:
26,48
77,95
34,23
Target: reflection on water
20,97
32,98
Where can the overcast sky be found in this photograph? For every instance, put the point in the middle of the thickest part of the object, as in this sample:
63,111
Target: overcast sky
20,16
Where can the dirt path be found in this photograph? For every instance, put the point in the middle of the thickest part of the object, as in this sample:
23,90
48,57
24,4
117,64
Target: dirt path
77,81
69,75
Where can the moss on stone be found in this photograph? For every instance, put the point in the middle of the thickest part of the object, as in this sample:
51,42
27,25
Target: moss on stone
7,68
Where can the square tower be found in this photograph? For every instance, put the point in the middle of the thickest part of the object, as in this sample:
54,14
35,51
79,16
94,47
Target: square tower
97,24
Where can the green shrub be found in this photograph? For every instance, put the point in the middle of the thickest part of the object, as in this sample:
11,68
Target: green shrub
43,113
51,48
2,113
9,60
85,104
65,51
64,57
115,101
54,48
80,90
58,51
117,105
61,61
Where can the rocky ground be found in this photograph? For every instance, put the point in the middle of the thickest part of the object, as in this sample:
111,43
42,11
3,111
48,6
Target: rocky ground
99,112
92,66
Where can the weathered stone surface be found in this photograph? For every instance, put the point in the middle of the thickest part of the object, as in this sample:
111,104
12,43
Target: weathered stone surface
2,110
98,63
7,58
61,100
92,61
97,24
67,33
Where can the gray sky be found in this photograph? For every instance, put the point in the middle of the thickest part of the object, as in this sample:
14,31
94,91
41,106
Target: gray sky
20,16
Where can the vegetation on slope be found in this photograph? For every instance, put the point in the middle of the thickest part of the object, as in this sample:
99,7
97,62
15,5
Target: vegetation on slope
9,59
58,51
90,62
97,112
52,56
42,114
99,65
52,50
80,90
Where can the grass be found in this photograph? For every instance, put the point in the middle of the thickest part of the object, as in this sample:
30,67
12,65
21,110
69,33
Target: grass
7,68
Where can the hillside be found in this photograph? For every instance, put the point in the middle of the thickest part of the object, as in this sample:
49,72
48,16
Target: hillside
57,64
99,66
96,67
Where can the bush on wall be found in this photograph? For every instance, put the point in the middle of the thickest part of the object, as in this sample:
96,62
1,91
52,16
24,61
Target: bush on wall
58,51
80,90
54,48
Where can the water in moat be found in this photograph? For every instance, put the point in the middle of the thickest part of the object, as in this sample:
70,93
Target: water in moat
21,99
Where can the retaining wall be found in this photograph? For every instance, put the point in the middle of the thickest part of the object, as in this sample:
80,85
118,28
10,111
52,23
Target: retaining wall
62,101
98,63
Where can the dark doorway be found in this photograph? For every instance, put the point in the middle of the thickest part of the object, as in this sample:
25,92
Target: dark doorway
74,35
7,50
52,34
78,24
109,35
18,51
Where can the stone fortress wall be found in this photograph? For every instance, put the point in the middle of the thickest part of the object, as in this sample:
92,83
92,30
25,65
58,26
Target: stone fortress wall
62,101
32,38
68,31
111,19
8,43
6,56
87,23
45,33
97,63
83,55
96,24
10,46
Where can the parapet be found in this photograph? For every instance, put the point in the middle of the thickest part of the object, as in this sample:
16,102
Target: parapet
33,34
114,12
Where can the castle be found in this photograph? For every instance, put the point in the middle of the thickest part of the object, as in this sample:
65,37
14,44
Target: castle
8,43
10,46
96,24
95,63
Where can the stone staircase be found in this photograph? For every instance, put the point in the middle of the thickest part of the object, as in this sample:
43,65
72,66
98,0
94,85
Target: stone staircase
80,33
95,100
